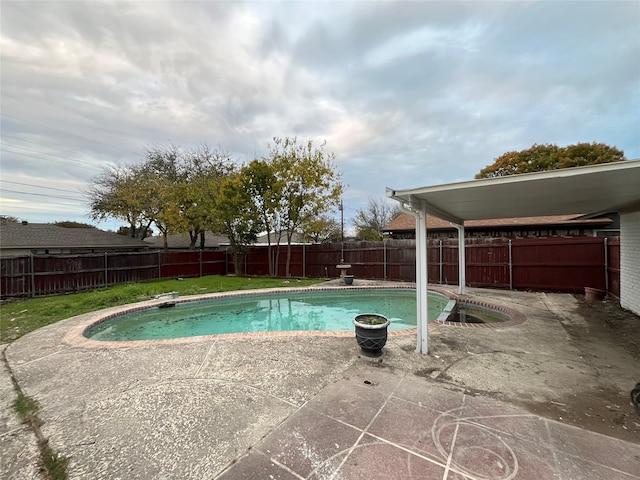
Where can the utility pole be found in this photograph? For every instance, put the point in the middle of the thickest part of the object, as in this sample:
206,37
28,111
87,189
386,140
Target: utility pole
341,231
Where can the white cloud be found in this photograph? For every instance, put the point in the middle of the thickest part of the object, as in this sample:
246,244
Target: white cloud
443,41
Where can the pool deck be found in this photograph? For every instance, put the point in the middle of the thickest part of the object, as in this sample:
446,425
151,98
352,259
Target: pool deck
547,398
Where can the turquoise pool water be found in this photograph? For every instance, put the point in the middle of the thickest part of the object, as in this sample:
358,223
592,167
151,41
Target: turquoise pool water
320,310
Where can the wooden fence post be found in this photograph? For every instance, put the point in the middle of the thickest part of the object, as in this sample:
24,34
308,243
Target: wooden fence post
606,264
384,258
106,271
510,267
33,275
441,265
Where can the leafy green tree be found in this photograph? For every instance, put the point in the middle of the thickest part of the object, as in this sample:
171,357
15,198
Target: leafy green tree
172,188
308,184
114,194
264,189
540,158
182,191
370,221
140,194
236,216
160,175
589,154
204,170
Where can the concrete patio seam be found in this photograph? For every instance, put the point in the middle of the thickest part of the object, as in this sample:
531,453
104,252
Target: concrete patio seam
206,357
389,396
407,449
286,469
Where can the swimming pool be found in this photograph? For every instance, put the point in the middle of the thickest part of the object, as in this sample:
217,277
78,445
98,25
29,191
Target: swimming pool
291,310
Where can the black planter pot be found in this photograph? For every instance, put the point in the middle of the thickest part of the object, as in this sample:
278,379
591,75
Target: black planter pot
371,337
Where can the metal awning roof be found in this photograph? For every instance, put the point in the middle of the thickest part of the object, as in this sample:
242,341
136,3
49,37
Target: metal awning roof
581,190
597,188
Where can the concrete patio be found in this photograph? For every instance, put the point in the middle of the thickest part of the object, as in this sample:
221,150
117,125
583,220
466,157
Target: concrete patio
545,399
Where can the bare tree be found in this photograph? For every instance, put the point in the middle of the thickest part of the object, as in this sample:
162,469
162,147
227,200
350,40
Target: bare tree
370,222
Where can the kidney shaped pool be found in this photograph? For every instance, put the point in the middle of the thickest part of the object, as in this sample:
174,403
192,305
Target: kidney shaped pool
292,310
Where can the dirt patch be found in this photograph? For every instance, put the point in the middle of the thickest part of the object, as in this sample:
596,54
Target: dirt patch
619,327
606,411
608,339
427,372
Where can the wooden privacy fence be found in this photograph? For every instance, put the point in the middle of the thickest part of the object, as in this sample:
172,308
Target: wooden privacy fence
548,264
51,274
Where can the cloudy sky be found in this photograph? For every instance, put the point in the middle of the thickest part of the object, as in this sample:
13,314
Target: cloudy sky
405,94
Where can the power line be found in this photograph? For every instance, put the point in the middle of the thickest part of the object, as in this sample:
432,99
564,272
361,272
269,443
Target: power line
37,186
41,195
36,143
38,209
44,153
75,163
70,134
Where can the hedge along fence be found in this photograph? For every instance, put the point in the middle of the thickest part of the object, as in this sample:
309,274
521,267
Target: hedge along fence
549,264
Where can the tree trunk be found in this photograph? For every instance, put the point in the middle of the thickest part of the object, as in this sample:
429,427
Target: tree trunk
287,270
193,237
165,240
276,260
237,262
145,231
270,253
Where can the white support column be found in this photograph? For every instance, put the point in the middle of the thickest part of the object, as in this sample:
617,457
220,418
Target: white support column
462,260
422,307
421,283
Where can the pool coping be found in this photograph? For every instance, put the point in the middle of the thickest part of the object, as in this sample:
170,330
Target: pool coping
515,317
75,336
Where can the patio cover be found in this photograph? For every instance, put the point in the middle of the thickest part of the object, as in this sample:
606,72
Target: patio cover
592,189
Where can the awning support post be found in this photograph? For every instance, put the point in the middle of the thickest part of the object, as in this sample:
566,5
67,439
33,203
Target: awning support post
422,307
462,259
422,283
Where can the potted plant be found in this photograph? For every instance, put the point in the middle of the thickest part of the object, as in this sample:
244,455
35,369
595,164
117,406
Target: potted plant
594,294
371,333
348,279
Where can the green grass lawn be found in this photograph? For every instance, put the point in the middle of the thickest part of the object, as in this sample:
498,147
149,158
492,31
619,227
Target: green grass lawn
20,317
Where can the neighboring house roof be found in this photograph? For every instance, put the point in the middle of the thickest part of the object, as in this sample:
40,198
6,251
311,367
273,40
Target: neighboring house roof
406,222
182,241
15,235
263,239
